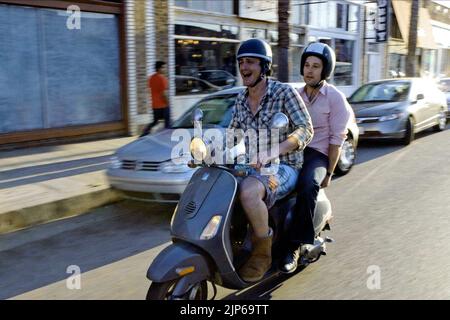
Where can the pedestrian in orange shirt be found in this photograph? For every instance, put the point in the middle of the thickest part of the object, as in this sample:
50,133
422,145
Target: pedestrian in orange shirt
158,86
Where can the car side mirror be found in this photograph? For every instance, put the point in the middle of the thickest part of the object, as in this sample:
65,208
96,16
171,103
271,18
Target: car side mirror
420,96
279,121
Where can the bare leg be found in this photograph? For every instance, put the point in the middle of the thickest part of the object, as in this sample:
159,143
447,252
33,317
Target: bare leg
251,194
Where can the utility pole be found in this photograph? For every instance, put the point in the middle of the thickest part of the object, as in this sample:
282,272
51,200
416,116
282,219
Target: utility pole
412,39
283,40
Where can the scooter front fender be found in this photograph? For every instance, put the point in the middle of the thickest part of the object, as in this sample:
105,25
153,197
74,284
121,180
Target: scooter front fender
179,255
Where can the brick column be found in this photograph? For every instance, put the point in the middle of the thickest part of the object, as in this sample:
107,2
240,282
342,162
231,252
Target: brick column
141,57
131,65
149,28
164,43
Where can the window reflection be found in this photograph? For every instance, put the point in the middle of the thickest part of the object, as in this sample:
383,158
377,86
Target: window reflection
204,66
206,30
343,75
221,6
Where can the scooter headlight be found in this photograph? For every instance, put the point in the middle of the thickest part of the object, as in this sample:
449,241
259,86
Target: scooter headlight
198,149
211,228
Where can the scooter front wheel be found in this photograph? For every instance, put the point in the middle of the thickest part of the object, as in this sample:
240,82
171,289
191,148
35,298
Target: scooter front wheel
164,291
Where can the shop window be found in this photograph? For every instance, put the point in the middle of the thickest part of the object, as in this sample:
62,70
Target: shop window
295,53
340,16
248,33
204,66
222,6
343,73
353,18
199,29
397,65
56,76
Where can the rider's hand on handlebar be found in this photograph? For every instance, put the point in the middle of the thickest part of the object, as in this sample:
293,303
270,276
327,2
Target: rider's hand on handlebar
262,160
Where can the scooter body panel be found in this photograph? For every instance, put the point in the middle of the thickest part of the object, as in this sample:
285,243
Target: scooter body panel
178,255
210,192
213,192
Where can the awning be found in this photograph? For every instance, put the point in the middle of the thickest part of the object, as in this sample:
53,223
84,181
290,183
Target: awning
425,37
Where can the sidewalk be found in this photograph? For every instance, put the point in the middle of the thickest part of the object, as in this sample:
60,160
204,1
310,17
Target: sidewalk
46,183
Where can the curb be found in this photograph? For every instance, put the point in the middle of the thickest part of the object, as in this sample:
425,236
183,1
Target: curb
27,217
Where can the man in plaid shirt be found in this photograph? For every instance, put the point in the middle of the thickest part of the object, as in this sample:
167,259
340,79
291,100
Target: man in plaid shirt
254,110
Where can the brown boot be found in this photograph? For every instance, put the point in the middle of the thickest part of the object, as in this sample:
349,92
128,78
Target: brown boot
260,259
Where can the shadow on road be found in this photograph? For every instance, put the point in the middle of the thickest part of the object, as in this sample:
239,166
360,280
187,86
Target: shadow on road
372,149
39,256
263,290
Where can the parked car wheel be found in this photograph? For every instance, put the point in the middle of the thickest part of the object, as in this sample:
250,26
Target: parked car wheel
347,158
409,132
442,121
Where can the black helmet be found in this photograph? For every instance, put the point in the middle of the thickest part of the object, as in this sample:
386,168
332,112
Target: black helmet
255,48
259,49
324,53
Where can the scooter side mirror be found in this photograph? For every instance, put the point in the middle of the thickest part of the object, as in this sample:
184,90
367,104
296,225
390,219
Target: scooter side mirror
197,115
238,150
279,121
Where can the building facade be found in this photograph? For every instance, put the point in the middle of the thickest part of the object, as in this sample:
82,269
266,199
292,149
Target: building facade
80,67
207,35
388,59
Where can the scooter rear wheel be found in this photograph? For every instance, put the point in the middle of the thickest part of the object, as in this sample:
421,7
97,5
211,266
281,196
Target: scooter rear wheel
164,291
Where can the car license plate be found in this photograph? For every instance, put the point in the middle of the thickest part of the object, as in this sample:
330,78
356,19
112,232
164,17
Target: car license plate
361,130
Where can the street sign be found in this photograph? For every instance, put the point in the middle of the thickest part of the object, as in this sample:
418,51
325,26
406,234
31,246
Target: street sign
382,29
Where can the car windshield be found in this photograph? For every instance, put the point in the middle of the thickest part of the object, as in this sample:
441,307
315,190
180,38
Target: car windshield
217,111
390,91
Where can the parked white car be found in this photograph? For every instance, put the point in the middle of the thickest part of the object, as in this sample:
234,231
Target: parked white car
144,168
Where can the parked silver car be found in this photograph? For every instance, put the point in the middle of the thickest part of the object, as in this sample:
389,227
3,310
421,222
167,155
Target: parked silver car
144,168
444,85
220,78
398,108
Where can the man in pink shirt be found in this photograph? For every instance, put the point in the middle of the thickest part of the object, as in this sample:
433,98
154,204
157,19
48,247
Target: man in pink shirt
330,113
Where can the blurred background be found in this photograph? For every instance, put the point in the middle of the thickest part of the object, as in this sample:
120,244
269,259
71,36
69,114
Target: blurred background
68,73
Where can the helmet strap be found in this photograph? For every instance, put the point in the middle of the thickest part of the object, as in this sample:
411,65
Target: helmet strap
261,77
317,85
314,87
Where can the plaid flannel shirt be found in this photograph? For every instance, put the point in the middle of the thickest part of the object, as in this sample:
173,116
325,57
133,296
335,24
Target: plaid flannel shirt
279,97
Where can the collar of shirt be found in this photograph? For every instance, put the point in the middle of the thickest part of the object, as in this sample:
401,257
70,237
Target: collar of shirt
242,98
323,90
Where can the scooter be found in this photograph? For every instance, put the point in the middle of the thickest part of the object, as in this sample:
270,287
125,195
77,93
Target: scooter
210,233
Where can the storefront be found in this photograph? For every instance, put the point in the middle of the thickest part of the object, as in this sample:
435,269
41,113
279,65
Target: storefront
341,31
62,69
441,33
426,51
206,43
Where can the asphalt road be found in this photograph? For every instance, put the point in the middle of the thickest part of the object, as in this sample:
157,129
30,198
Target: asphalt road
391,226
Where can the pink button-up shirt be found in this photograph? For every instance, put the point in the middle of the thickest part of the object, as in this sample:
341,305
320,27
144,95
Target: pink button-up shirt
330,113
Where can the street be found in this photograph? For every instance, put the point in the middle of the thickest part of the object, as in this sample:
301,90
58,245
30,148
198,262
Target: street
391,226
